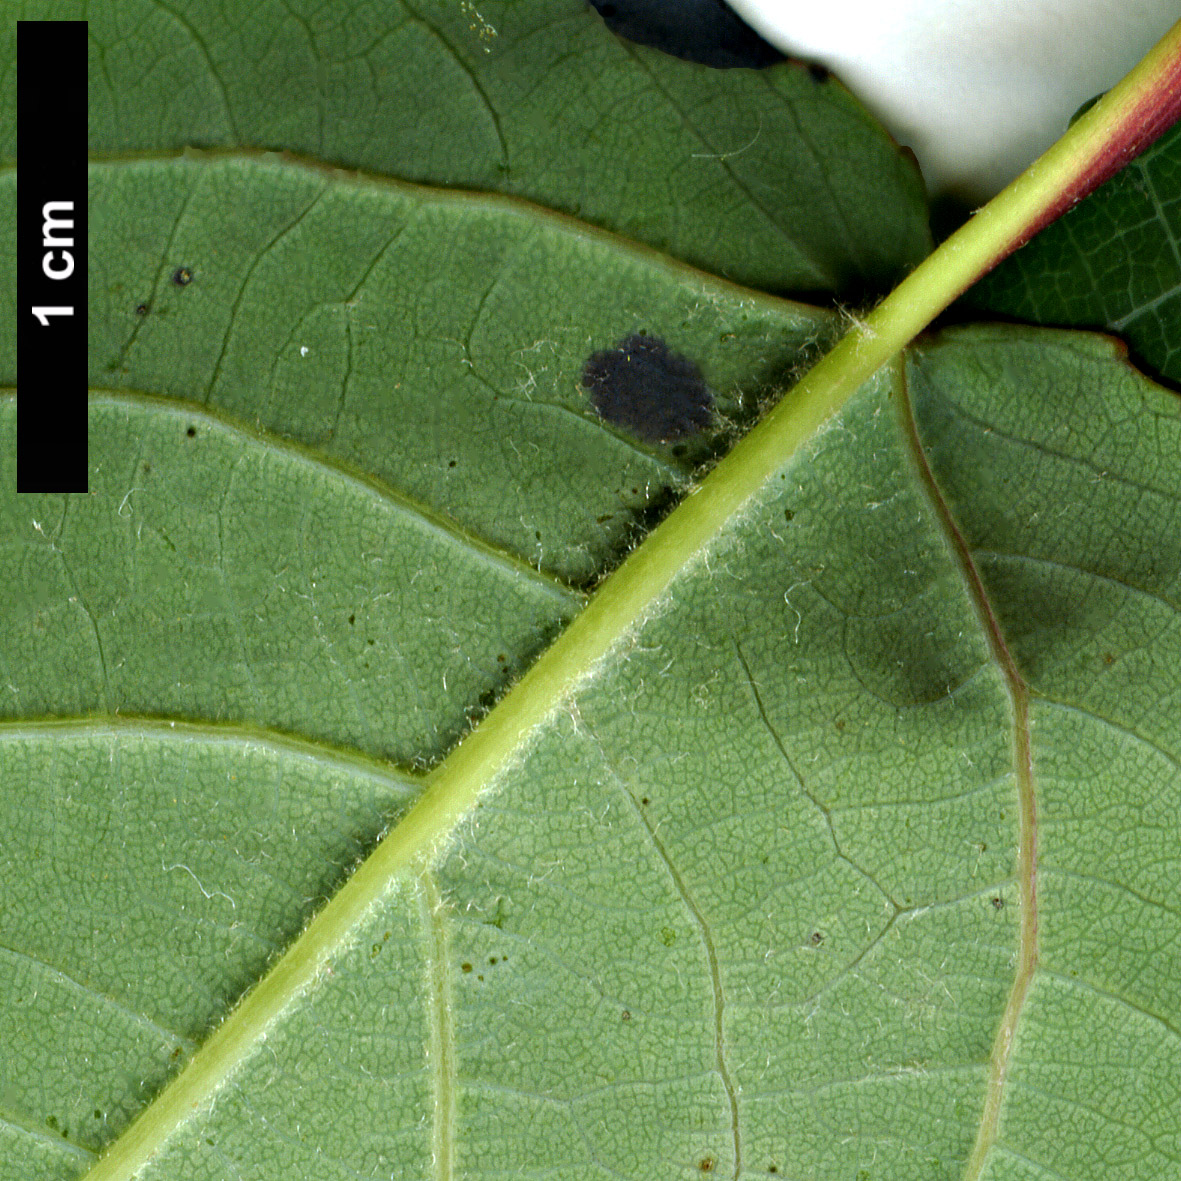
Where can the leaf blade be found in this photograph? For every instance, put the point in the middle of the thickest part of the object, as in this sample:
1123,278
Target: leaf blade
729,170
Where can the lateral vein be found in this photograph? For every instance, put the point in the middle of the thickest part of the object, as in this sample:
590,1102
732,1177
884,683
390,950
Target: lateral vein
1001,1056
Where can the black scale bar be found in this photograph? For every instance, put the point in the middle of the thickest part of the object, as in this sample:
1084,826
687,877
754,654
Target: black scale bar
51,256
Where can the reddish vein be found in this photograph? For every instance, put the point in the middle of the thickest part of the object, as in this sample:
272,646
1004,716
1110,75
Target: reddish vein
1000,1059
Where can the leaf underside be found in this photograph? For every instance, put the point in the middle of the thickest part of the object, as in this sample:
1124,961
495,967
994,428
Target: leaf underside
751,891
755,900
534,98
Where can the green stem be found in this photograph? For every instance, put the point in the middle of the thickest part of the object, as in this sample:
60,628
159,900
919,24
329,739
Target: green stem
1124,121
1116,129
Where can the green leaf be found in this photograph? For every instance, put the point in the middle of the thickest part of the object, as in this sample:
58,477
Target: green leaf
769,177
1113,262
758,874
338,312
835,835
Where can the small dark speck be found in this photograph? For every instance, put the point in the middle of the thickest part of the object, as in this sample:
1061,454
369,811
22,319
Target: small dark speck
998,903
788,515
625,1016
645,801
706,1164
642,386
352,619
817,938
817,72
182,276
141,309
465,967
191,432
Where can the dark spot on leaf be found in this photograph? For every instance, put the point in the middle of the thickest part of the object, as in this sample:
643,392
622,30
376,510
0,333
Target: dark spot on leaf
817,73
817,938
788,515
97,1113
655,394
465,967
645,801
492,960
479,977
709,32
147,469
453,463
191,432
1108,658
141,309
352,619
501,658
840,723
772,1168
625,1016
371,641
182,276
706,1164
998,903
